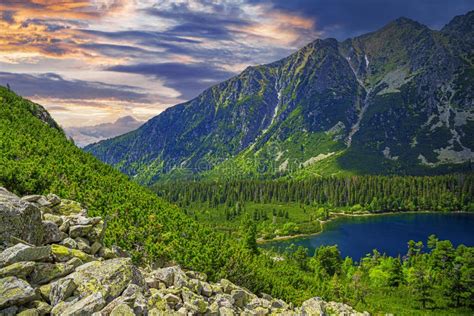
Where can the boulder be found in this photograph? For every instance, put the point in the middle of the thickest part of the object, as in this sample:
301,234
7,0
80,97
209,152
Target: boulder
85,306
53,199
61,290
52,233
166,275
61,253
67,207
193,301
43,202
45,272
95,247
109,277
228,286
31,198
22,252
206,289
19,269
83,220
79,230
15,291
28,312
128,297
83,245
9,311
313,306
240,297
69,243
41,307
19,219
172,299
122,310
58,220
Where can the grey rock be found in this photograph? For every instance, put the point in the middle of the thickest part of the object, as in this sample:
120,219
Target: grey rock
28,312
31,198
22,252
53,199
52,233
83,245
240,297
85,306
15,291
69,242
10,311
45,272
95,247
61,290
43,202
172,299
313,306
79,230
122,310
53,218
19,269
166,275
65,226
110,277
19,219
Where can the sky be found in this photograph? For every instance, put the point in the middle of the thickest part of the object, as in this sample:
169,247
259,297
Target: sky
94,61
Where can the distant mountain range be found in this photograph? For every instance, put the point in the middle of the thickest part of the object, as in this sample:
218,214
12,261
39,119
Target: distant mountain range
85,135
396,101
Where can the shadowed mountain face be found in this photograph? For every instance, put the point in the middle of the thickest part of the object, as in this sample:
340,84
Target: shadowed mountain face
85,135
398,100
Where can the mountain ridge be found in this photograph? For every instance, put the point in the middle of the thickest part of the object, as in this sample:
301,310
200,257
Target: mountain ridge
327,103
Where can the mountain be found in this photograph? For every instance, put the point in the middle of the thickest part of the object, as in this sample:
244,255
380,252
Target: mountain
395,101
85,135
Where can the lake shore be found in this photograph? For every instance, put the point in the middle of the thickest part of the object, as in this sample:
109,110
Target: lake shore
334,216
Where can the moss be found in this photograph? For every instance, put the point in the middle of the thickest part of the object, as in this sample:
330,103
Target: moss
44,291
63,253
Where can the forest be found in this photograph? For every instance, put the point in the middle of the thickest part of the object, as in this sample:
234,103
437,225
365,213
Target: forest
292,207
37,158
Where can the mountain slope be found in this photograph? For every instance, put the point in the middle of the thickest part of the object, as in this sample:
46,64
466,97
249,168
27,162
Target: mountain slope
398,100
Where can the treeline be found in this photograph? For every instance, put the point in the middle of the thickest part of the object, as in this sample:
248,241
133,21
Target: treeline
373,193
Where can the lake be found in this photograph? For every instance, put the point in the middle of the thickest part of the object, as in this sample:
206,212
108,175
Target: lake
357,236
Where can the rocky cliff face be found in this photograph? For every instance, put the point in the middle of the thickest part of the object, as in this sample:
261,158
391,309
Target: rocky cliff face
53,262
398,100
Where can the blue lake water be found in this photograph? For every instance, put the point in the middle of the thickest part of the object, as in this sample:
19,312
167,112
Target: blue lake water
357,236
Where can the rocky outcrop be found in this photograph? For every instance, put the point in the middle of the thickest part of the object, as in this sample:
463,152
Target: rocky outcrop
60,267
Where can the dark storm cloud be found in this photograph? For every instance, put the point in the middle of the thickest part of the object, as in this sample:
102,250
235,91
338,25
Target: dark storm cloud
347,18
141,36
199,24
51,85
188,79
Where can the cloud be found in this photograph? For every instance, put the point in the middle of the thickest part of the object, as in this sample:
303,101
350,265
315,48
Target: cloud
347,18
52,85
188,79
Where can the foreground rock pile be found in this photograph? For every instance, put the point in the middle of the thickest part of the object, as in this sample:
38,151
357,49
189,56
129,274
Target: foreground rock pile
53,262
